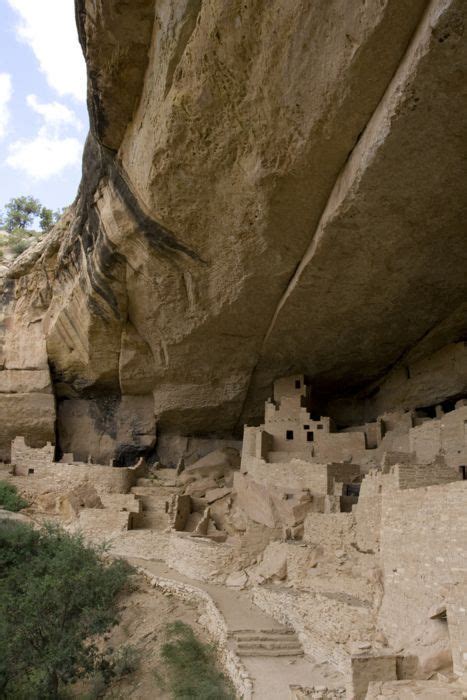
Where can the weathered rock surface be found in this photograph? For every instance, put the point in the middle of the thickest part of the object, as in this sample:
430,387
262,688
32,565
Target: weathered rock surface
268,188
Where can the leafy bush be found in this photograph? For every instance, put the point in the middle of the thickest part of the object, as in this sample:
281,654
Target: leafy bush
55,594
191,671
19,246
9,498
124,661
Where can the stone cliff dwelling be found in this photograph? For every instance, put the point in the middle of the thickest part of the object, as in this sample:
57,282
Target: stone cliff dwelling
351,546
240,355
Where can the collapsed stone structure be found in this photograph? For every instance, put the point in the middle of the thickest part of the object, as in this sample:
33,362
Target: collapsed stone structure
261,197
364,562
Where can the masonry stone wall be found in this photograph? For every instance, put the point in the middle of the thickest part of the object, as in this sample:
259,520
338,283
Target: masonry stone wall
103,521
457,623
199,558
367,515
298,474
249,443
38,462
121,501
144,544
27,459
216,625
412,476
326,626
298,692
423,536
367,668
330,529
336,447
447,434
406,690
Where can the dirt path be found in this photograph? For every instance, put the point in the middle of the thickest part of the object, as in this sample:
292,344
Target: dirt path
271,675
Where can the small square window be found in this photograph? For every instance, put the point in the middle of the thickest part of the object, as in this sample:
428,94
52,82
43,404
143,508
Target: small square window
289,434
306,427
298,384
319,426
309,436
30,471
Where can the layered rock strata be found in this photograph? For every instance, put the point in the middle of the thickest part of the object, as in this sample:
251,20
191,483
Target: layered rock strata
267,188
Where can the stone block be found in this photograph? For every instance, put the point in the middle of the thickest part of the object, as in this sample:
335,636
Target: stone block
215,494
410,689
31,415
103,521
367,668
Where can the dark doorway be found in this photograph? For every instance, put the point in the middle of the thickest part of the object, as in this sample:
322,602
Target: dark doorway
351,490
463,471
310,436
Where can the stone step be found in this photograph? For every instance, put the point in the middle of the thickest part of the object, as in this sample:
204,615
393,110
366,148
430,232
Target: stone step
284,631
259,637
268,644
162,491
254,651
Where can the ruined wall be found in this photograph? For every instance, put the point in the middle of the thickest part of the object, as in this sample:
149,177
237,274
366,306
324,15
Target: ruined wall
297,474
39,462
447,435
413,476
423,536
200,559
326,625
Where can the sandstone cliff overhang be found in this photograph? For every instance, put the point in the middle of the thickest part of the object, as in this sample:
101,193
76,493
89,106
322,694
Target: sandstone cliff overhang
267,188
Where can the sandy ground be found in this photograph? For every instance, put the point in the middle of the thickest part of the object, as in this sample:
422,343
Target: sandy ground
144,615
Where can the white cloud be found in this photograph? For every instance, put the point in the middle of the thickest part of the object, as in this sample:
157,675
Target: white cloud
52,149
5,97
49,28
44,156
55,114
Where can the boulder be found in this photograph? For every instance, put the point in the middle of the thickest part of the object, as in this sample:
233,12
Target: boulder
199,488
213,495
70,504
215,464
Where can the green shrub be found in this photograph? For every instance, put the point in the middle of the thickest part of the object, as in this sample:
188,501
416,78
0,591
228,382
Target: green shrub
191,671
19,247
9,498
124,661
55,594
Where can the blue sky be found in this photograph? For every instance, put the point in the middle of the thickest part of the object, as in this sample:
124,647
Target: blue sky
43,117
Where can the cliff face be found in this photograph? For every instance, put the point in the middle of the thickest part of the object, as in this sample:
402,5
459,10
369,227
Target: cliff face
268,188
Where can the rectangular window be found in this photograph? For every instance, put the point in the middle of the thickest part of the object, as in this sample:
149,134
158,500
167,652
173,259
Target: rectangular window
306,427
289,435
320,427
298,384
309,436
463,471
